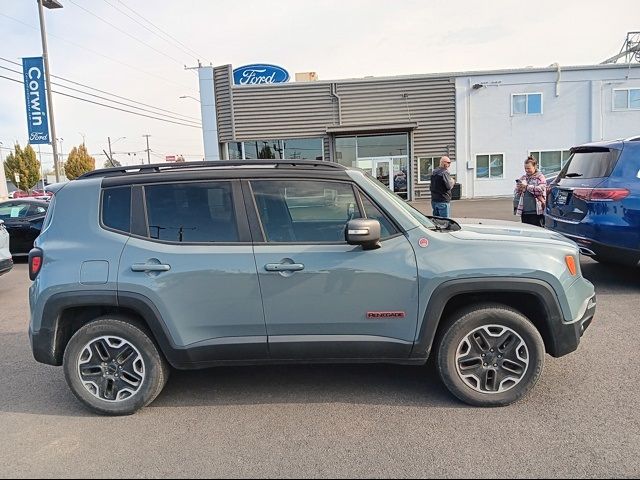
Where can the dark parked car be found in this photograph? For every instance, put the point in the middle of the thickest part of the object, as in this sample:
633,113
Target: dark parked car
595,200
23,219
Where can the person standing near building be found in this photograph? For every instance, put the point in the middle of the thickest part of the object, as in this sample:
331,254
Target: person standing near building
441,186
530,196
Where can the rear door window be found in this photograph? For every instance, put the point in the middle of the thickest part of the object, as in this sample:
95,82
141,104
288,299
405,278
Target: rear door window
590,163
191,212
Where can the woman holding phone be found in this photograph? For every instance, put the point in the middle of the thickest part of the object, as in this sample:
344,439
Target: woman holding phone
530,196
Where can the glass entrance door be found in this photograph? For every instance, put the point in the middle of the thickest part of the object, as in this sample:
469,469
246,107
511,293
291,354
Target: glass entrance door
391,171
380,168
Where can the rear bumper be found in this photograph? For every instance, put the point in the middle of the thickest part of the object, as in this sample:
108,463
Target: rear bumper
592,248
6,265
567,336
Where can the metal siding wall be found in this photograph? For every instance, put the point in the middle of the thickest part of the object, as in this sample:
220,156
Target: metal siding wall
429,101
300,110
222,79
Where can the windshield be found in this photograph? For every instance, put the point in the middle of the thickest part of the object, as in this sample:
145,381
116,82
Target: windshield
421,218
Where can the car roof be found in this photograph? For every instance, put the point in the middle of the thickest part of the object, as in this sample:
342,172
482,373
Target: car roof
617,144
28,200
217,165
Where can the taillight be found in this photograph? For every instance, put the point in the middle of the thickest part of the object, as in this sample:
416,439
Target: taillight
35,262
601,194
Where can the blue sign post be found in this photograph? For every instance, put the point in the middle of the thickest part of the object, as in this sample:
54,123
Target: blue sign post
260,74
36,100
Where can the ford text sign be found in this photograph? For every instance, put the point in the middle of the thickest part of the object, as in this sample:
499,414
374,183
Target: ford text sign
260,74
36,98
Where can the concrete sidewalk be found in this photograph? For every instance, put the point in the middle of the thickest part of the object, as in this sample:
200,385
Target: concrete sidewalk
496,208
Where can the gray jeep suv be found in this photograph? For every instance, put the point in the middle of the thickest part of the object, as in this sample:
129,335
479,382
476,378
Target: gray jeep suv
206,264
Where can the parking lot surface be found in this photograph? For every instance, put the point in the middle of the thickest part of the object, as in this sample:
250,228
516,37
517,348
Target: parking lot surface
581,420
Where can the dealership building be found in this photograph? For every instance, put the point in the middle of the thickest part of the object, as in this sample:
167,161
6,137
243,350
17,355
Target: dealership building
397,128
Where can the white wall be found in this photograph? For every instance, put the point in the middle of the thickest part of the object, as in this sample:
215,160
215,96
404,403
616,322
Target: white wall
208,114
579,111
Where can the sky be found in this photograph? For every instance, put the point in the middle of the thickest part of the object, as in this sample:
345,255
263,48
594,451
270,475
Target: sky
109,45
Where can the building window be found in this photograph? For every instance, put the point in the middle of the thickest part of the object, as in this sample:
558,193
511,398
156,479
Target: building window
626,99
490,166
235,150
263,150
289,149
426,166
526,104
303,149
382,146
551,161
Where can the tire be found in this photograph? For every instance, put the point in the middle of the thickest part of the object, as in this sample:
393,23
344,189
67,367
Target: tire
516,361
113,367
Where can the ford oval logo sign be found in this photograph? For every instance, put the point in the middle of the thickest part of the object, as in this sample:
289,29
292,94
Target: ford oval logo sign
260,74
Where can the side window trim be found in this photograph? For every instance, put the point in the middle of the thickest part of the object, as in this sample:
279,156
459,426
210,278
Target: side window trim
255,224
139,225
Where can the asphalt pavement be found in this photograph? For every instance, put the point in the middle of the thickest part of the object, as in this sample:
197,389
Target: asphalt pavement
581,420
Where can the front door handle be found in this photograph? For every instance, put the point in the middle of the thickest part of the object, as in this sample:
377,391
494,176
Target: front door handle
284,267
150,267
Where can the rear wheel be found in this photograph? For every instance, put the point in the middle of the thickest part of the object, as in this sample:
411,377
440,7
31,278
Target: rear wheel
113,367
490,355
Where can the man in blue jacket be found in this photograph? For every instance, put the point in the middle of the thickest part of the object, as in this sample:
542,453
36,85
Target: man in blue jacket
441,186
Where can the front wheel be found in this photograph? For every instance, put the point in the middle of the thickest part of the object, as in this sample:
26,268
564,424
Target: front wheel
113,367
490,356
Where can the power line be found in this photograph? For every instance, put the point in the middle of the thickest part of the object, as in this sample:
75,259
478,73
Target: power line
161,30
109,106
108,99
126,33
103,91
101,55
175,43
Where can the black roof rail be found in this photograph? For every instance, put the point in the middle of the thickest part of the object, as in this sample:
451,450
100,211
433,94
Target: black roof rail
162,167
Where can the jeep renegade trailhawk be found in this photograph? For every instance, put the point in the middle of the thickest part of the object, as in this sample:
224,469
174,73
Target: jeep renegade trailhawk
205,264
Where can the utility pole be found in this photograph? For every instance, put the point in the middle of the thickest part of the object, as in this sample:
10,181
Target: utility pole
45,57
148,149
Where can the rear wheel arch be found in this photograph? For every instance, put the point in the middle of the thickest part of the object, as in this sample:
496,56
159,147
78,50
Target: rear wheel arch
66,313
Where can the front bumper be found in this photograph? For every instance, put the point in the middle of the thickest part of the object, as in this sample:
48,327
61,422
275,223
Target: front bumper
567,335
6,265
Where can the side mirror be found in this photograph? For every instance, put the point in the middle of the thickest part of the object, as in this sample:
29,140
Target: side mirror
363,232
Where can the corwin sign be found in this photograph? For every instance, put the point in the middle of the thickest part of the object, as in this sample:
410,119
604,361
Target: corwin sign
36,99
260,74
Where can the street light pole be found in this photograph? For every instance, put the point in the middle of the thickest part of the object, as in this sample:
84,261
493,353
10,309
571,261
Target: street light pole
45,57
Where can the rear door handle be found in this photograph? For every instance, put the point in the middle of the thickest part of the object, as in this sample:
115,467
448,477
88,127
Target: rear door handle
150,267
284,267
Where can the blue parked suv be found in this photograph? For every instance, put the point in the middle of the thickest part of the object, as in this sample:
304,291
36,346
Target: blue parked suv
205,264
595,200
